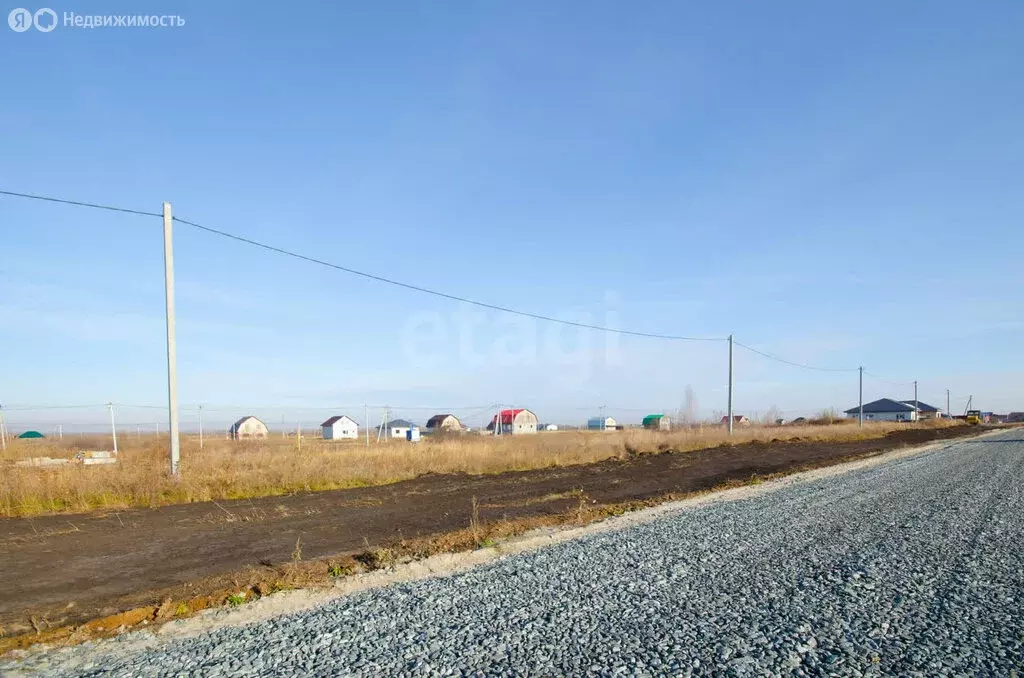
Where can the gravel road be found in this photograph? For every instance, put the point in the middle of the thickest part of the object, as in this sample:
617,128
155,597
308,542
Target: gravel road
912,567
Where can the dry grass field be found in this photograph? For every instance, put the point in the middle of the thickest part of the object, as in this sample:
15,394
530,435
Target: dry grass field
226,469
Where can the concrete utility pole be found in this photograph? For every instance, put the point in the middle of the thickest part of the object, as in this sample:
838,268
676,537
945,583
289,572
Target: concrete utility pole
730,384
947,405
113,429
172,352
860,417
200,427
60,431
3,429
366,423
916,414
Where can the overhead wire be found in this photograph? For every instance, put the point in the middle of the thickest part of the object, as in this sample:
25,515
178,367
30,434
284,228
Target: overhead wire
425,290
794,364
369,276
79,203
436,293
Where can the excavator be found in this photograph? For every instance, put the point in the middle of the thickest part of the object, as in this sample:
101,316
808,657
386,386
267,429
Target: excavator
973,417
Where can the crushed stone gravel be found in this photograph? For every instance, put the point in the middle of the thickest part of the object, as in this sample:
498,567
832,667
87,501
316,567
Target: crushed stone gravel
912,567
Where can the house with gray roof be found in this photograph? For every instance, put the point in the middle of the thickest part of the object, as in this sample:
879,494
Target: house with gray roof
885,409
924,410
398,428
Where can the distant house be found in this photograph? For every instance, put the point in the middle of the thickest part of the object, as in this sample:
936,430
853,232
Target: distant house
398,428
1015,418
924,410
442,423
798,421
339,427
601,424
516,422
737,420
885,409
551,427
248,427
657,422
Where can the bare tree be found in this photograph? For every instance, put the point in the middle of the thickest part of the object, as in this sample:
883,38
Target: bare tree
690,406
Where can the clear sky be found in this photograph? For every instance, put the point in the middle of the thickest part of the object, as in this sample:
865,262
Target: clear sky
836,183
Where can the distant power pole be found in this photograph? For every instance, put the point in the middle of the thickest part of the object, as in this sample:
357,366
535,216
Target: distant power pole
366,423
947,405
916,413
60,431
200,427
730,385
172,351
860,416
113,429
3,429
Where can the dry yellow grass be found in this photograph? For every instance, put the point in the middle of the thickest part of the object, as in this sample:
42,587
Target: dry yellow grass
226,469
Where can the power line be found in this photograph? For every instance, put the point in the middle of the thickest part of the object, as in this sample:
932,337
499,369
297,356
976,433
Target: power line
77,203
795,364
364,274
444,295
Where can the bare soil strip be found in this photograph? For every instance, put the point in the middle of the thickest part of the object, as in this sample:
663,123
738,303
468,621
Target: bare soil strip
70,577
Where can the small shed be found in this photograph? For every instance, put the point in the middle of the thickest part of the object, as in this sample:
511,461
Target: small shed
339,427
601,424
737,420
657,422
31,434
248,427
397,428
444,423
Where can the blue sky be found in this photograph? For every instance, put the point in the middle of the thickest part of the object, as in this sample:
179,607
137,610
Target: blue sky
836,183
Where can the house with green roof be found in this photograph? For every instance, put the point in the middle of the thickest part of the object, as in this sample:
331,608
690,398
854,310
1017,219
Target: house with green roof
657,422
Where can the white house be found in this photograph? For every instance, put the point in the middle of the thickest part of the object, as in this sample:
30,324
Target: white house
601,424
397,428
339,427
248,427
885,409
516,422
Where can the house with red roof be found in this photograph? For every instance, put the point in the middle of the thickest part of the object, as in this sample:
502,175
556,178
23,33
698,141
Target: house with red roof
515,422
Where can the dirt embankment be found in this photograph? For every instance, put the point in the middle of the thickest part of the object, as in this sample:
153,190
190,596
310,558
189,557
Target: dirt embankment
64,570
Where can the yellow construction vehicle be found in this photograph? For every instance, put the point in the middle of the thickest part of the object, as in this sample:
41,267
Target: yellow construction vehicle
973,417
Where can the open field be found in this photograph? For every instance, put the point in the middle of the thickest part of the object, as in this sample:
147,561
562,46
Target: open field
149,565
904,565
226,469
